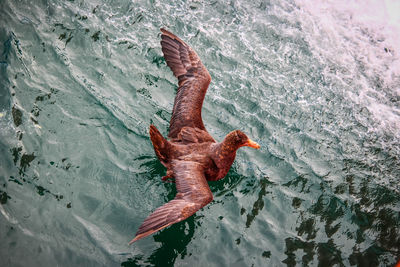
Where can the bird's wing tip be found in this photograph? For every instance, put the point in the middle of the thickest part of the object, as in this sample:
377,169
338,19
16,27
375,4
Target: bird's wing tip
165,31
135,239
173,36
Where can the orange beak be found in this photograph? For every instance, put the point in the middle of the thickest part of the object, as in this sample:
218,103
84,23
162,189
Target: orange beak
252,144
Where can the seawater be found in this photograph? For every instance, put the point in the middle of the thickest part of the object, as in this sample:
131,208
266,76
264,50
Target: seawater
317,84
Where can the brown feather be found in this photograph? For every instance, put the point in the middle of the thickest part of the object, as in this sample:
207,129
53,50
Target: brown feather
193,194
193,80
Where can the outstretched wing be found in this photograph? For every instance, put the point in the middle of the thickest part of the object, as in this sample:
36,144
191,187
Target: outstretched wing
193,194
193,80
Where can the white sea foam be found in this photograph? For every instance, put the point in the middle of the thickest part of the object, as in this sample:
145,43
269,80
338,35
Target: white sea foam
360,41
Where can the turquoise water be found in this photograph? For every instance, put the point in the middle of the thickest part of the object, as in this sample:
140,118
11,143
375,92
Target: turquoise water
316,85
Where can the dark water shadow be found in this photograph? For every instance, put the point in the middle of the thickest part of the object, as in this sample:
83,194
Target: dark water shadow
258,205
373,215
151,165
174,241
227,184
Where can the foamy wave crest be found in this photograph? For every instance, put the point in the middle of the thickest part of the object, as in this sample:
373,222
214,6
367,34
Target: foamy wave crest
366,37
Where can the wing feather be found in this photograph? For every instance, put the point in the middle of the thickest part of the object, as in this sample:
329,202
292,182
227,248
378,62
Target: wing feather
193,194
193,80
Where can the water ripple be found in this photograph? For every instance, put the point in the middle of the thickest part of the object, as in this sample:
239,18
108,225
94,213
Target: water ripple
315,84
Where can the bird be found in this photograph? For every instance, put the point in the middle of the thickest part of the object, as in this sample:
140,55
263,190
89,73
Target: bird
190,154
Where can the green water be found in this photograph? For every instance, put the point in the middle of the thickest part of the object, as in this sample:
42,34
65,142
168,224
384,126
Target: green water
81,81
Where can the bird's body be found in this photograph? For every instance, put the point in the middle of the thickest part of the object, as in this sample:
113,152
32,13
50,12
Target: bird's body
194,145
191,155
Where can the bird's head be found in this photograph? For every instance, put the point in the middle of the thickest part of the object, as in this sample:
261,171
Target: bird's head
224,153
238,139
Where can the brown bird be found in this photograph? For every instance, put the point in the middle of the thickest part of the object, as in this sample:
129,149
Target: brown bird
191,155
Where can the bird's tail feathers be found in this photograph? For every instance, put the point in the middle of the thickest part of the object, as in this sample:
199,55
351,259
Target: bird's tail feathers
160,144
